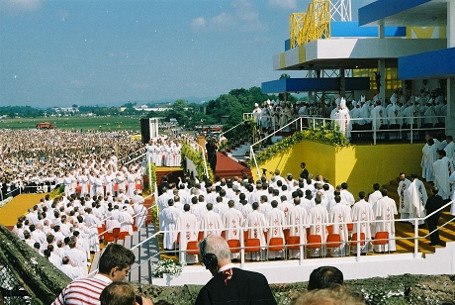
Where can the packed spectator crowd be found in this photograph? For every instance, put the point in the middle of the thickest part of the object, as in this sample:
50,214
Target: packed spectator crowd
35,160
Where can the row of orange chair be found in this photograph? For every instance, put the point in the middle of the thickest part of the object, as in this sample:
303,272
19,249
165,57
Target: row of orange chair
115,235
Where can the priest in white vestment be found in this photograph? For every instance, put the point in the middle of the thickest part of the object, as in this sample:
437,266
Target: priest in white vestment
256,225
450,147
362,216
318,217
443,169
429,155
168,221
297,220
417,197
188,231
403,204
211,222
276,222
340,216
384,211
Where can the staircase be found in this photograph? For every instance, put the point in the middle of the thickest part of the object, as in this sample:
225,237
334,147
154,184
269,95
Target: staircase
406,229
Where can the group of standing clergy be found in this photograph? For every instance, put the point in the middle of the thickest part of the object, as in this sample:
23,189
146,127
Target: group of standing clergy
281,207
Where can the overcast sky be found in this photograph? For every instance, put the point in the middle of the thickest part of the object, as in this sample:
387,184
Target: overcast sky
98,52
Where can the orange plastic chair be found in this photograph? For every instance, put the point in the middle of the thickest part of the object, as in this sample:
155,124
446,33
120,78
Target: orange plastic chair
223,234
380,238
276,244
123,235
314,242
177,240
116,232
286,232
200,236
252,245
353,242
333,241
350,227
108,237
192,248
234,245
329,229
293,243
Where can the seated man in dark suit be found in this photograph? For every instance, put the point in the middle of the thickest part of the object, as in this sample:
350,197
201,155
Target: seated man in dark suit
230,285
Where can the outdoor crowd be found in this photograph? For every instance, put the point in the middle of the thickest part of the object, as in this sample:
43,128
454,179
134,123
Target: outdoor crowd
35,160
398,111
165,151
282,208
65,229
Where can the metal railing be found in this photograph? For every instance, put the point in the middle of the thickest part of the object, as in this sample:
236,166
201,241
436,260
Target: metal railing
357,224
369,127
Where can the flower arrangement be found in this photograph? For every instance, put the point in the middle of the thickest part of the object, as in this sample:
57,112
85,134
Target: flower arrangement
167,266
324,134
188,152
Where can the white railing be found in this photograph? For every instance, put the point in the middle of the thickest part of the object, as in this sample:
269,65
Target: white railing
403,131
415,238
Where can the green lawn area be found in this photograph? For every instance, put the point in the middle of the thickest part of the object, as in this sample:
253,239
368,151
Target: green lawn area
110,123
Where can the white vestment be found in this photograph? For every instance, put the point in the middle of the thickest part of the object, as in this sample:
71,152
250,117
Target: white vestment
297,219
276,222
340,215
168,221
403,203
211,224
417,198
443,169
384,210
187,227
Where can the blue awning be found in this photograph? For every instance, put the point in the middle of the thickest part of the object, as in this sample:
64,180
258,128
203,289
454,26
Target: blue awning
435,64
314,84
384,8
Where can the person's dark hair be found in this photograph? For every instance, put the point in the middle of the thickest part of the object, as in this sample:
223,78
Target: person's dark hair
362,195
118,293
344,186
325,277
115,256
384,192
376,186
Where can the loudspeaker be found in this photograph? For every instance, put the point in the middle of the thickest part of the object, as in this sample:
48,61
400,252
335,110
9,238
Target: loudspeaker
145,130
209,260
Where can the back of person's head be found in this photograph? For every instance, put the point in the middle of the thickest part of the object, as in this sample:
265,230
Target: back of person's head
186,207
344,186
118,293
376,186
214,245
384,192
115,255
327,297
325,277
362,195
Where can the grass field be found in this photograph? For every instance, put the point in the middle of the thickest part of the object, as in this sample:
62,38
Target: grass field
107,123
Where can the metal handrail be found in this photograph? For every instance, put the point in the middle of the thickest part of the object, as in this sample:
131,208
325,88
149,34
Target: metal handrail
225,132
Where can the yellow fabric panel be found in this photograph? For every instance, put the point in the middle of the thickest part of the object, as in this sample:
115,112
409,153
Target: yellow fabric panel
302,54
282,60
427,32
358,165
